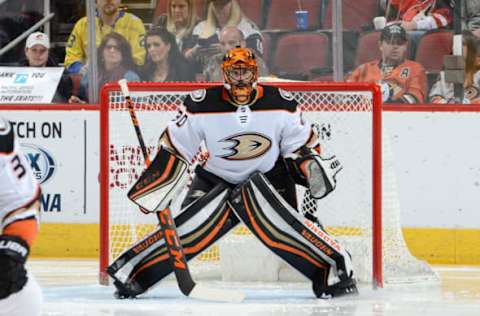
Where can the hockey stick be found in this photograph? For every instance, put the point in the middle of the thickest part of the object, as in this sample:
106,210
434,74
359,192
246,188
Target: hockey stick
177,256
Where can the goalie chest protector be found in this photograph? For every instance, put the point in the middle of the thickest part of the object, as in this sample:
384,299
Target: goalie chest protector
240,139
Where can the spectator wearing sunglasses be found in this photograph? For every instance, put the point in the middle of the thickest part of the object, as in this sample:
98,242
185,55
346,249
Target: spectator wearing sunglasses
115,62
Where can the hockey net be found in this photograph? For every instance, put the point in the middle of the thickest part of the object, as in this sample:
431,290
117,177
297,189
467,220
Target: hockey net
362,213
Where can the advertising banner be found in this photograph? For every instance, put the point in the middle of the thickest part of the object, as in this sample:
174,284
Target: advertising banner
62,147
29,84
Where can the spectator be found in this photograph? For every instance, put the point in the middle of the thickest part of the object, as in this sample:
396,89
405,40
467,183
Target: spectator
109,19
115,62
420,14
222,13
402,80
472,16
37,55
230,37
180,19
443,92
164,61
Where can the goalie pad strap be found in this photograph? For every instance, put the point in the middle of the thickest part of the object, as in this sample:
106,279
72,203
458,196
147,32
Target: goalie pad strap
306,247
161,182
200,225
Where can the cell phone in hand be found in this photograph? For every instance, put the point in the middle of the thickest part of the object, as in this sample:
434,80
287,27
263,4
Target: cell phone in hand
210,50
203,42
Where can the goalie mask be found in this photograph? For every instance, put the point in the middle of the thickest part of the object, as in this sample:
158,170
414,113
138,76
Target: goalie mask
240,73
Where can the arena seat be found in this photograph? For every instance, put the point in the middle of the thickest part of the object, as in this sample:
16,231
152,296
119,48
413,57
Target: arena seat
297,55
281,14
356,14
431,48
160,8
253,10
201,8
267,46
367,47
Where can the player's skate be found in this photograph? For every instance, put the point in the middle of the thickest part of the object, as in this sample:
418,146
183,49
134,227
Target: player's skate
347,286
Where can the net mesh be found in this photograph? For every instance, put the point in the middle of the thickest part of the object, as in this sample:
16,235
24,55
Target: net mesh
344,122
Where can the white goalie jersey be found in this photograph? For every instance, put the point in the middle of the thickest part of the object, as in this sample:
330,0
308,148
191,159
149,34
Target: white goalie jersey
238,136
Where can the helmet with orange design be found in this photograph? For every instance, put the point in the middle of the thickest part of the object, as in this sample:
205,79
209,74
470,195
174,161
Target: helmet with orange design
240,74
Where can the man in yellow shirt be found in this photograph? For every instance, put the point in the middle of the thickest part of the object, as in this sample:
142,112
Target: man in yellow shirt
109,18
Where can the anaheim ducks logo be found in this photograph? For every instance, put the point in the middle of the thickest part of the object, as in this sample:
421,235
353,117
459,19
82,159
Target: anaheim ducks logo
246,146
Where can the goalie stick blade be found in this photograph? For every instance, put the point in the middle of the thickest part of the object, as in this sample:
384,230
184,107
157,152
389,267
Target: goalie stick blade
205,293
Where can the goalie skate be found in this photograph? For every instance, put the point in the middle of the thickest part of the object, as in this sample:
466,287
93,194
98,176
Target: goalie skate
344,287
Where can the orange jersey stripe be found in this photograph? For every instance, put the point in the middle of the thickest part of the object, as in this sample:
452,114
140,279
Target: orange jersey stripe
26,229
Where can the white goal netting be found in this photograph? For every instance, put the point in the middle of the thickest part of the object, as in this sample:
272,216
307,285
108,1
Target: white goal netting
344,118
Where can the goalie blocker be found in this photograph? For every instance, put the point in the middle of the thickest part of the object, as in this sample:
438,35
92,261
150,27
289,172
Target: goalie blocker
164,180
280,227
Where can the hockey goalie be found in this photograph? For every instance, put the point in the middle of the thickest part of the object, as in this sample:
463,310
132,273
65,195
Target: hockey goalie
259,147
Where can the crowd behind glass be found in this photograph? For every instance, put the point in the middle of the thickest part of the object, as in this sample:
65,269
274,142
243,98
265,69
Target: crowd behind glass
185,40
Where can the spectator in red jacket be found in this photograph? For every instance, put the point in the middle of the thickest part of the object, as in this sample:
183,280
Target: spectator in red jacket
420,14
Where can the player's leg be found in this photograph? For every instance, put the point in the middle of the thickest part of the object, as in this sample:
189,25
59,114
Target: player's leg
305,246
19,292
281,179
26,302
280,176
205,218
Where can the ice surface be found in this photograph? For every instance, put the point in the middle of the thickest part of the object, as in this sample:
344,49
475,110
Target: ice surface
70,288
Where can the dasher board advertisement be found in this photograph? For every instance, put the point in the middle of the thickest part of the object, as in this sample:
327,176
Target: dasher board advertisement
62,147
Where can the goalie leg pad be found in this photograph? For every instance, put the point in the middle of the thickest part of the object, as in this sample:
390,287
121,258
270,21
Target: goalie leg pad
306,247
200,225
161,182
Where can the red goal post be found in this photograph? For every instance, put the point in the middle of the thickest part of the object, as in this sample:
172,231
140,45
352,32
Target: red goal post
349,116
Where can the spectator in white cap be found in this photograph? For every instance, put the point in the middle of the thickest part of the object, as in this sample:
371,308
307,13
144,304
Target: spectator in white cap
36,49
37,55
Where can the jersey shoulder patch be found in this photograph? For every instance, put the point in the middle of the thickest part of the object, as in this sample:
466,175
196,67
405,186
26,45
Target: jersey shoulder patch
205,101
276,99
198,95
287,95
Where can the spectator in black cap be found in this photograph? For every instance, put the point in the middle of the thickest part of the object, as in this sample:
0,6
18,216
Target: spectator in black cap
401,80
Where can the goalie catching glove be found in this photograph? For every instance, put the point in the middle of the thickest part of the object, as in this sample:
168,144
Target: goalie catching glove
311,170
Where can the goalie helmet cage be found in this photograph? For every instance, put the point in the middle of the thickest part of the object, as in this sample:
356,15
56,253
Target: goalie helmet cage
349,121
